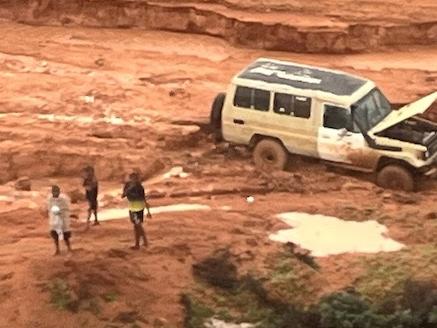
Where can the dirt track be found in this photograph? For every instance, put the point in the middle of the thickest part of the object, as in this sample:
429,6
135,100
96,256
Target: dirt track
148,97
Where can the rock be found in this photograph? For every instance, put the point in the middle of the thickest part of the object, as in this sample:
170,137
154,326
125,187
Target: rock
151,169
102,134
431,216
7,276
251,242
178,92
23,184
237,231
76,196
432,33
282,175
127,317
246,256
153,194
160,322
405,198
387,195
100,62
349,186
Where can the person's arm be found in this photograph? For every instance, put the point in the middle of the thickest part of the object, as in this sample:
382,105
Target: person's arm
124,191
146,203
149,215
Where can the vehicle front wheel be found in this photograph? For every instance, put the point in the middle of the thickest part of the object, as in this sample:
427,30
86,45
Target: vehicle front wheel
395,177
270,154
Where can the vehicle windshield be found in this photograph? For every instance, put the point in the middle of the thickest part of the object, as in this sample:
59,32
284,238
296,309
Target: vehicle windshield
371,109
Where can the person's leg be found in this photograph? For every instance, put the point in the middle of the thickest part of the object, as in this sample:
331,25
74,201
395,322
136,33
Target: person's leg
89,214
94,207
143,235
67,236
134,219
55,238
141,232
96,221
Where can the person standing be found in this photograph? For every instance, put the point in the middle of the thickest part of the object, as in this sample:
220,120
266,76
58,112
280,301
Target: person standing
91,192
59,218
134,192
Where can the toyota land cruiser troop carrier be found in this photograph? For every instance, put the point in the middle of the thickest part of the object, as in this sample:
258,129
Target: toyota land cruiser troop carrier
277,108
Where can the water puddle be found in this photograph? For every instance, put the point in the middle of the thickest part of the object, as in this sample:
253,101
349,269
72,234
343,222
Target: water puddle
325,235
122,213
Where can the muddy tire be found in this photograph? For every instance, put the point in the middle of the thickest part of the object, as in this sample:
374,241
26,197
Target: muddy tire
270,154
395,177
216,116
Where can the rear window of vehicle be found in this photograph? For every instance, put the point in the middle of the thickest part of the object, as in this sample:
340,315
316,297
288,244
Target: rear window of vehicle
243,97
252,98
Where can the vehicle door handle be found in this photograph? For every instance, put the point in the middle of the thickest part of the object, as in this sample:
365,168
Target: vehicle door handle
236,121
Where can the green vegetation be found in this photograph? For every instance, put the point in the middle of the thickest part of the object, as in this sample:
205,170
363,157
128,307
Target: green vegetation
60,294
387,295
384,275
66,298
196,312
110,297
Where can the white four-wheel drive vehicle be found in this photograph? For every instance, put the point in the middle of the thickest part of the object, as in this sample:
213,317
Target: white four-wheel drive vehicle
278,108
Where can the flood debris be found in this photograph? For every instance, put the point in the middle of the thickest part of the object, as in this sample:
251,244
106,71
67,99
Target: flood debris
23,184
250,199
216,323
88,99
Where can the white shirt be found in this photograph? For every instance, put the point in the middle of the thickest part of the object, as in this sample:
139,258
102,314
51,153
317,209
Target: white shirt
62,220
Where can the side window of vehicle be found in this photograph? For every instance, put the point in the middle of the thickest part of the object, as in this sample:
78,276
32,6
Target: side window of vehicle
261,100
337,118
302,107
283,104
243,97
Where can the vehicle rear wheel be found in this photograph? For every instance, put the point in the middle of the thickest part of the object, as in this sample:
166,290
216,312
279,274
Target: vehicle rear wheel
216,116
395,177
270,154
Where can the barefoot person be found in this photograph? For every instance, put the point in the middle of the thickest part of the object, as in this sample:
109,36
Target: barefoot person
91,191
135,194
59,218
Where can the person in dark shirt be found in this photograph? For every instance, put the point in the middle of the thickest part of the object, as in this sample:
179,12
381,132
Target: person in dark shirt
134,192
91,192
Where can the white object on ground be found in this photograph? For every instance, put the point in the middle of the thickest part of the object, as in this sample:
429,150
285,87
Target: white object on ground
114,120
89,99
250,199
325,235
177,171
215,323
121,213
6,199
